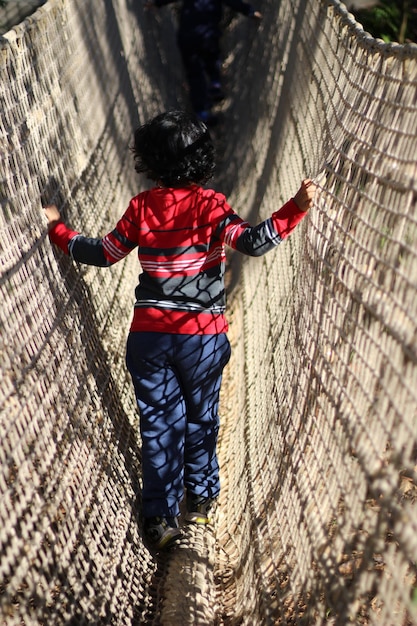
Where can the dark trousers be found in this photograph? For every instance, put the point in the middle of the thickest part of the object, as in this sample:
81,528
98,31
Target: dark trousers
177,382
202,64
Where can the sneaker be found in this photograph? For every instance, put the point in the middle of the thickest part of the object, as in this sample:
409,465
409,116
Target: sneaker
197,509
162,532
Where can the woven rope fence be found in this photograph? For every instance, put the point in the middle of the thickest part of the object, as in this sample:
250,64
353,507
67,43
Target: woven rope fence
317,519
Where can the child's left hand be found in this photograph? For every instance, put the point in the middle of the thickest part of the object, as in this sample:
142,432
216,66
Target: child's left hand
304,197
53,215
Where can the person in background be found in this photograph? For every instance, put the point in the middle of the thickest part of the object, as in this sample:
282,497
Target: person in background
177,346
198,38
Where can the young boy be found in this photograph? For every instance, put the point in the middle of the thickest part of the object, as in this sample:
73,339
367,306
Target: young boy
177,346
198,38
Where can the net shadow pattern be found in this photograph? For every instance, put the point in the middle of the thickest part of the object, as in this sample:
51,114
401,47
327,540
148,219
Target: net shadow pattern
316,522
11,13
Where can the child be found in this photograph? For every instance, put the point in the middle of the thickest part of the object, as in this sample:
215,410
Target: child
198,40
177,345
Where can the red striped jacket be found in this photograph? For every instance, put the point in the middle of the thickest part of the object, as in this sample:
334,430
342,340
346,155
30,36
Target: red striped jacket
181,236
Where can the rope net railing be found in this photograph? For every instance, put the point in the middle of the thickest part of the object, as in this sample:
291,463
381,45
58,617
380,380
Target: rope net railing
317,517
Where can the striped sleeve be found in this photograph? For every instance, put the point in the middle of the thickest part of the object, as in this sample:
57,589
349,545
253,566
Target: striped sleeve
101,252
260,239
125,237
112,248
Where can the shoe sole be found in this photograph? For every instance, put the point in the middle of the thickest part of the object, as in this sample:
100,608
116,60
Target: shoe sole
197,518
168,539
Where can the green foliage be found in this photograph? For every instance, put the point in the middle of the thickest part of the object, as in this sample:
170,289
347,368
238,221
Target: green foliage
390,20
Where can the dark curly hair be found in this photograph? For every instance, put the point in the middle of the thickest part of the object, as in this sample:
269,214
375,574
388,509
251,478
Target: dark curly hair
174,148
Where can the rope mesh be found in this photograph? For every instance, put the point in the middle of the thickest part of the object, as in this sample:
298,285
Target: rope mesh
317,521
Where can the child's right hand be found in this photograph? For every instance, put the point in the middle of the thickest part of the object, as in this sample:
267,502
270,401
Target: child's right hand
53,215
305,195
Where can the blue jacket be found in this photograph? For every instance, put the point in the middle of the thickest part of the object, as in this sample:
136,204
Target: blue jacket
203,17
